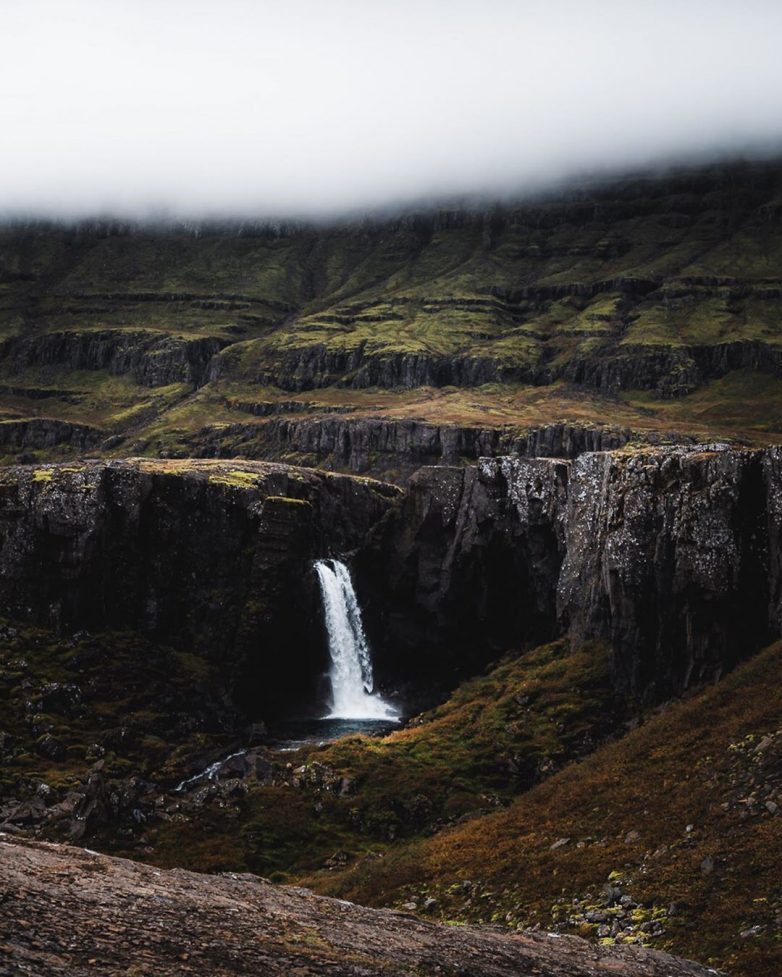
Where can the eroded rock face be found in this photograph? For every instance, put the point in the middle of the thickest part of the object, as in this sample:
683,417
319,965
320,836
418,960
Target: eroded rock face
68,911
44,432
670,371
667,558
670,556
153,360
359,444
468,566
395,448
208,555
318,366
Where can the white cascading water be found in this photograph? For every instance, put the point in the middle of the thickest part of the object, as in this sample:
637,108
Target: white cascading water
352,683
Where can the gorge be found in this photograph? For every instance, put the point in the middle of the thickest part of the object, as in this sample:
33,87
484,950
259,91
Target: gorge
669,555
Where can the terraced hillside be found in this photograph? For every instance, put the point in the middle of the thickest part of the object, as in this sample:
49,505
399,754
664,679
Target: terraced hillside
651,306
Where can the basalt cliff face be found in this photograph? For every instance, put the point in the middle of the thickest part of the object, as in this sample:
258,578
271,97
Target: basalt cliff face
638,573
151,359
634,307
570,401
670,556
205,555
397,448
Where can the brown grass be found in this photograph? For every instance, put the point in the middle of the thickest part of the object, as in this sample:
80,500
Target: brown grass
693,764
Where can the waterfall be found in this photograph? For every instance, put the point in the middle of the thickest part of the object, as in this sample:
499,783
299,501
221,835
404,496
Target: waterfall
352,683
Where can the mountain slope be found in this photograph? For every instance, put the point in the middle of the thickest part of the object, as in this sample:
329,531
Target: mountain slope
633,302
680,817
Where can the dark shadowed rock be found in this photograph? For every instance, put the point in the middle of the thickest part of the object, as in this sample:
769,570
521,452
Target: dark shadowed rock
469,564
667,559
153,359
210,556
395,448
45,432
671,556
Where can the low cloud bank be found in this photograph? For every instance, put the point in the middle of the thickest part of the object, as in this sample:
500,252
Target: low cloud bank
184,108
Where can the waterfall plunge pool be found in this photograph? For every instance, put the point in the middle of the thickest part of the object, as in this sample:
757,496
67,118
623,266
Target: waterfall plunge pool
291,734
355,707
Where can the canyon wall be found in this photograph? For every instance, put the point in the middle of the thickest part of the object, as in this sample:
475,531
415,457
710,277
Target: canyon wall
152,358
669,556
664,369
394,448
204,555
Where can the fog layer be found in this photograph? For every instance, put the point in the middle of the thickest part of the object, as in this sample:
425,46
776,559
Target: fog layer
300,107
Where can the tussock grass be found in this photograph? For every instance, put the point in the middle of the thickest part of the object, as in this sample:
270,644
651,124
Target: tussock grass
696,763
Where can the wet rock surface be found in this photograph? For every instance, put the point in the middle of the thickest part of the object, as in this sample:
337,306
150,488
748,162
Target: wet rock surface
70,911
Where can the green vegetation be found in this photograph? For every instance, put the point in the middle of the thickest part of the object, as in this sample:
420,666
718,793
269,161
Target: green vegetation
507,305
235,477
496,735
532,796
68,703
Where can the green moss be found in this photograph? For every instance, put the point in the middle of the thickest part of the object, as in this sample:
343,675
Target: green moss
236,478
540,290
286,500
120,682
493,738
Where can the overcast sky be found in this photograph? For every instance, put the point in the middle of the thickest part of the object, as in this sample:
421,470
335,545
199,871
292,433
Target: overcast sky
302,107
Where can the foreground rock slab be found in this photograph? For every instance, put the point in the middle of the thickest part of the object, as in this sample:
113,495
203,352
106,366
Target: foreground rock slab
67,910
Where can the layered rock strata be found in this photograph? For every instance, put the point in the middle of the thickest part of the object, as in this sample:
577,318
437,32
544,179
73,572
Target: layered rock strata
670,556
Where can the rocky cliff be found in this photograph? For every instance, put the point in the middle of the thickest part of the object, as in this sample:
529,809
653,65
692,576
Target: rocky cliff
151,358
625,301
44,432
670,556
668,559
607,366
206,555
395,448
462,570
659,567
